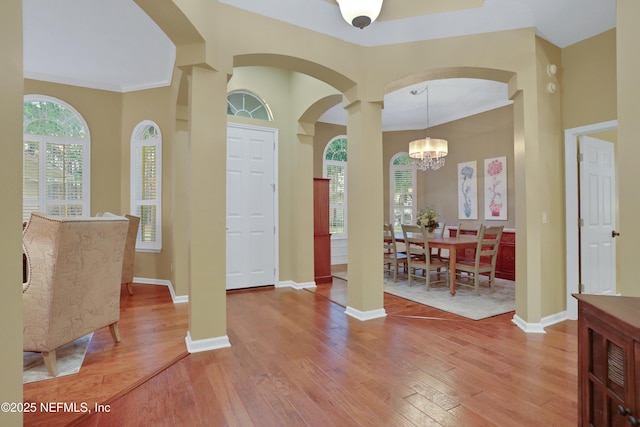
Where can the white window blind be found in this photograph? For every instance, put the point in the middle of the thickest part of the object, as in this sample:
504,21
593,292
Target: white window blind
403,184
335,169
146,185
56,159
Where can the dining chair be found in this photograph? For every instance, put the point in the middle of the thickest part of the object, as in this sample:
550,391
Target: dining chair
419,255
392,257
437,252
484,261
466,228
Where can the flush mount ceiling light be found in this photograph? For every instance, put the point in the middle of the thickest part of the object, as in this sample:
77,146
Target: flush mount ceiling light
360,13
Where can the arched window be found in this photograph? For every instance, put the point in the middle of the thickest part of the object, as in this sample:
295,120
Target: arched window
56,159
402,184
146,184
334,167
245,104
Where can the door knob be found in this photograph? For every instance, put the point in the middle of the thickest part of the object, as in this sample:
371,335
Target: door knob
614,234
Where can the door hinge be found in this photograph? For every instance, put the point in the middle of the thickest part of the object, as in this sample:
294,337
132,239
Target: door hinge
581,287
580,222
273,186
580,157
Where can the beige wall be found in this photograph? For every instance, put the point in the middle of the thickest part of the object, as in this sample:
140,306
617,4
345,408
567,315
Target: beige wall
628,149
550,177
588,74
11,98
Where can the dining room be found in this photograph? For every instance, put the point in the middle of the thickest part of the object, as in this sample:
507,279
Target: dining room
462,191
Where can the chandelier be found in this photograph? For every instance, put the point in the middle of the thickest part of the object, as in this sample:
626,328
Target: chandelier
427,153
360,13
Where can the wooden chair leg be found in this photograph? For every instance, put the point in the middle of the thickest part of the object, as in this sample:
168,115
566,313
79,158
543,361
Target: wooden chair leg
49,358
476,285
130,288
395,272
115,332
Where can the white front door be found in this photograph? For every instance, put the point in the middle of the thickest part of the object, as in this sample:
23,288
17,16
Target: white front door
251,206
598,215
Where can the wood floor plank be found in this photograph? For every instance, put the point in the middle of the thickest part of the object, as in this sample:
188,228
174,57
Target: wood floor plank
297,359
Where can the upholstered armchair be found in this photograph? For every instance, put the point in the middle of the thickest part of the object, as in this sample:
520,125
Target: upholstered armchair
129,249
73,285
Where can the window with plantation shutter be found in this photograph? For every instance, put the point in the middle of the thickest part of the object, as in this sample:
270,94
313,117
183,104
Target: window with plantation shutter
403,184
146,185
335,169
56,159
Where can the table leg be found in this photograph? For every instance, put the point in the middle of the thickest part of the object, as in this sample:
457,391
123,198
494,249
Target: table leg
452,270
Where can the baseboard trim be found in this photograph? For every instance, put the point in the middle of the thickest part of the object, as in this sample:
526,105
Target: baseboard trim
530,328
554,318
365,315
206,344
295,285
177,299
538,328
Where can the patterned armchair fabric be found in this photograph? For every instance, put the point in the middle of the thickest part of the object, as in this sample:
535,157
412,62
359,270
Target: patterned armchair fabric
129,249
73,285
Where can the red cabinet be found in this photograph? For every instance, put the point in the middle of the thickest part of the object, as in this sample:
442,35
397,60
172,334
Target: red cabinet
321,236
506,262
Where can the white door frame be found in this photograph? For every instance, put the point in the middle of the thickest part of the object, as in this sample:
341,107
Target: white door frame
571,207
276,241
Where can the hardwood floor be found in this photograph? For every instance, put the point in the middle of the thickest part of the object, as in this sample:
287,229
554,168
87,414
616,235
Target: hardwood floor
297,360
152,331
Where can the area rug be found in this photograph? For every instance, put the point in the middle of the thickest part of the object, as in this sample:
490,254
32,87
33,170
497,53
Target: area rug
465,303
70,357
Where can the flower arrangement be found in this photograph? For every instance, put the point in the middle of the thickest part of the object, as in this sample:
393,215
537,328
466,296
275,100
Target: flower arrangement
429,218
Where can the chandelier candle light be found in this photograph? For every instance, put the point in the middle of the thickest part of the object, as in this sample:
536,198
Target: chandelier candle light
428,153
360,13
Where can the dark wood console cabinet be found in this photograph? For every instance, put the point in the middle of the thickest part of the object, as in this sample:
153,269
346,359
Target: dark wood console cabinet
506,261
608,360
321,236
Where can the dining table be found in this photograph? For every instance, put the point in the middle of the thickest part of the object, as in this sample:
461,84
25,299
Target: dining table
452,244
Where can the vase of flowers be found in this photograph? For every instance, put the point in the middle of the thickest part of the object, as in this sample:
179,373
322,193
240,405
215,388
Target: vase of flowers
428,217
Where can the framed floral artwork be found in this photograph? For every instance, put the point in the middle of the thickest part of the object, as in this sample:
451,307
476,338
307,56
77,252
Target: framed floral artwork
468,190
495,184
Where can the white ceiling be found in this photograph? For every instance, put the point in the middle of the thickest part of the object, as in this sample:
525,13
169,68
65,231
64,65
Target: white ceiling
113,45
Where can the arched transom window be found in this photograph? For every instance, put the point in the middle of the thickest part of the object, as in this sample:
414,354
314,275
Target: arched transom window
245,104
56,159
